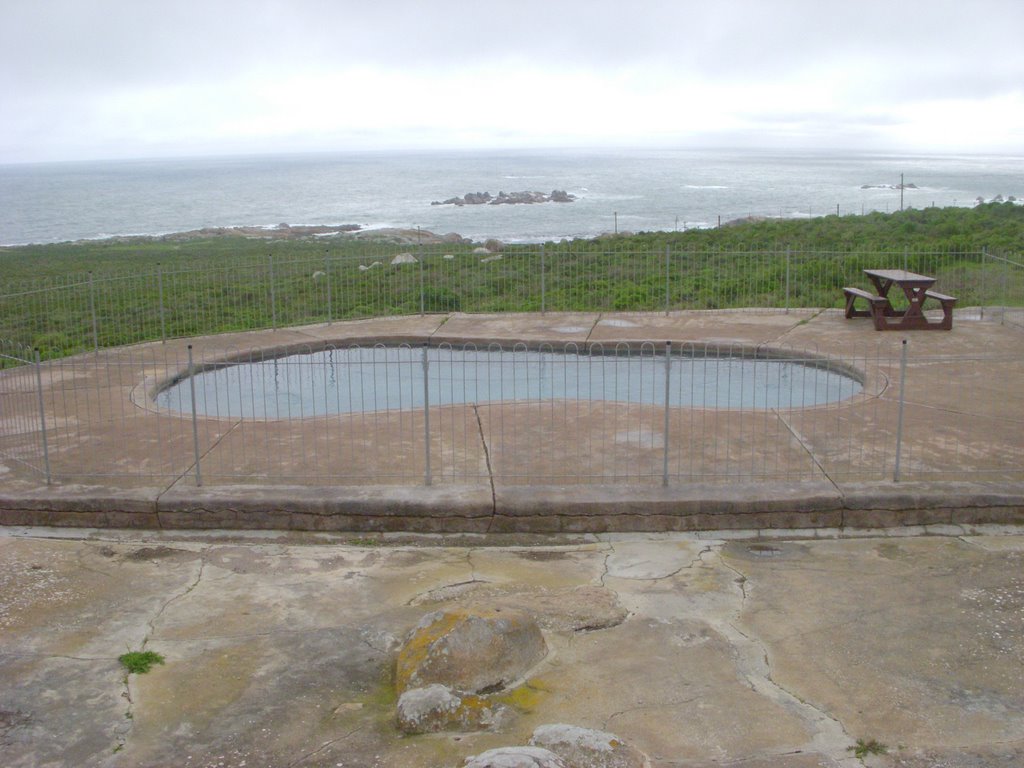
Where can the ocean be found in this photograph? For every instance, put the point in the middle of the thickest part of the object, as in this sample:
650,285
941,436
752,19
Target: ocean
615,190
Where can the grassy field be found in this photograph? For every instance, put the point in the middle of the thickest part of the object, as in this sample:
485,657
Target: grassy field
65,298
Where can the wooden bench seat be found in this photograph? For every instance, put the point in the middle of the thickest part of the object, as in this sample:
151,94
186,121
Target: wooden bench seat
877,304
947,303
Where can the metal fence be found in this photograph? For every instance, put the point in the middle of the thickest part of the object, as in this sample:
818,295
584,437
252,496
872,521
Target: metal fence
633,413
70,314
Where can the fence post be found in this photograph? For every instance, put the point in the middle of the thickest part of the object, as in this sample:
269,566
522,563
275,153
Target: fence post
160,287
543,291
419,252
788,253
668,373
92,310
42,417
899,417
273,298
668,269
984,269
327,276
426,417
195,425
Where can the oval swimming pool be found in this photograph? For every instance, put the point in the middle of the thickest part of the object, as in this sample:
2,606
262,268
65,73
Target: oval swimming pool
361,379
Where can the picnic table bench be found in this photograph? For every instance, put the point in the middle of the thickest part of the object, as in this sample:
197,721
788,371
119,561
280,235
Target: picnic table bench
915,287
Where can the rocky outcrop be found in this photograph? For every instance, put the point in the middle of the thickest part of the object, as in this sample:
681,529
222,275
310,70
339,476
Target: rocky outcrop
587,748
515,757
508,198
479,652
438,708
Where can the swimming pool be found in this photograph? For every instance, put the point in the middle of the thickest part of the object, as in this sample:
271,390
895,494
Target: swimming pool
378,378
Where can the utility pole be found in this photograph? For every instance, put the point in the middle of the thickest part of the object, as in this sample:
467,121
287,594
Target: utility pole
901,191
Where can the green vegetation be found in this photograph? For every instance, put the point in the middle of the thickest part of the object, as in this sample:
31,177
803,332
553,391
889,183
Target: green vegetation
140,662
869,747
144,289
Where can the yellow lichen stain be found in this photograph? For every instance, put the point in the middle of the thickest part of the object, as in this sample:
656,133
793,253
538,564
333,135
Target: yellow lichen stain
418,646
526,697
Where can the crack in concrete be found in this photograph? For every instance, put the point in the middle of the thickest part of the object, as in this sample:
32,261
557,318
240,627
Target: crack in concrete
487,462
322,747
126,694
606,725
829,737
805,444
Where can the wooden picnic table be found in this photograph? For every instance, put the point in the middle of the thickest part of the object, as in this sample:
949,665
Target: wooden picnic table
915,287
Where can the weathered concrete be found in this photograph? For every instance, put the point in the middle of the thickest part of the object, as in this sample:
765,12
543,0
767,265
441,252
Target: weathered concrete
727,651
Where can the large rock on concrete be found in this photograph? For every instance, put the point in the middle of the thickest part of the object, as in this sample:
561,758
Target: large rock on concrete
479,652
586,748
515,757
439,708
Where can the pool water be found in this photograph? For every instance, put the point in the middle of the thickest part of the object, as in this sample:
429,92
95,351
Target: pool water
362,379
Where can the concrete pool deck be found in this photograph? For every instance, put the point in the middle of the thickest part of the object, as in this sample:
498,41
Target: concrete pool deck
973,473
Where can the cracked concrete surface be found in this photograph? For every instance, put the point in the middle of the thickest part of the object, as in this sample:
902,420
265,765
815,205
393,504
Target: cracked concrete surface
699,650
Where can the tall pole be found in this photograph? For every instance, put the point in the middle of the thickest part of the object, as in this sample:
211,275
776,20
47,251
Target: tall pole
901,191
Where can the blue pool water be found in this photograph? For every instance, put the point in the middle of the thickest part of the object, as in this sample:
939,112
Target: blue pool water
362,379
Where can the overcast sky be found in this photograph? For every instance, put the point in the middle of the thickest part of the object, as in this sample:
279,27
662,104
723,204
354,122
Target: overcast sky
84,79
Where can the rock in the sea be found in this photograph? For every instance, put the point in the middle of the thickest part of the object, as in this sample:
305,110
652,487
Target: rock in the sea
403,258
479,652
587,748
438,708
515,757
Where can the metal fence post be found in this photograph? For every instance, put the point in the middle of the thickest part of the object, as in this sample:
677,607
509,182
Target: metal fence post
92,310
899,417
327,276
195,424
984,269
42,417
668,269
419,252
273,298
788,250
668,374
543,287
426,417
160,287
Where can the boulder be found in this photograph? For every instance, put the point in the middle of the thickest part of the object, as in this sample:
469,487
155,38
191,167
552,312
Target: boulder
515,757
493,245
438,708
481,652
489,259
403,258
481,251
586,748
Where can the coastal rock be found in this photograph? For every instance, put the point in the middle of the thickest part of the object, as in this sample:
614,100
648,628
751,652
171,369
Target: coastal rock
438,708
493,245
480,652
587,748
403,258
526,197
515,757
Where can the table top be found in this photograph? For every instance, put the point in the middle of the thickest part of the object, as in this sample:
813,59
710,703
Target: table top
899,275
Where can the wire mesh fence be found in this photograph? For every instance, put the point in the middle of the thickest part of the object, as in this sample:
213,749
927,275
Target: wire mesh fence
157,415
94,311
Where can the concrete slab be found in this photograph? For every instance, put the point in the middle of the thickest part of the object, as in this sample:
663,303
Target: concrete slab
743,652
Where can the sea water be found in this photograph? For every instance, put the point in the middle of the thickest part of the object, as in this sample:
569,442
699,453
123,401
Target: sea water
615,190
